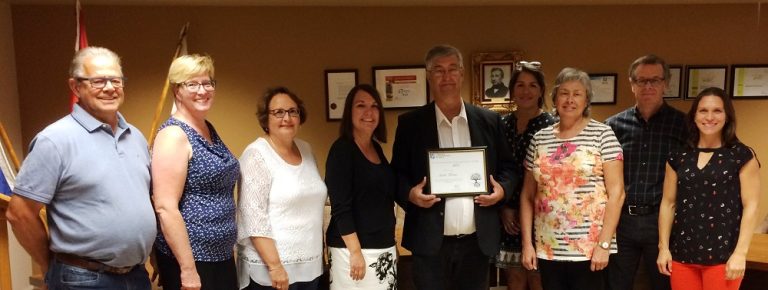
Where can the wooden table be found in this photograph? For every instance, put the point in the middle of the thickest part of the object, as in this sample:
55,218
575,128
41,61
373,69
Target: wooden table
757,257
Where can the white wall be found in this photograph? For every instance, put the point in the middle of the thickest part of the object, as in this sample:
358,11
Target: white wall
21,263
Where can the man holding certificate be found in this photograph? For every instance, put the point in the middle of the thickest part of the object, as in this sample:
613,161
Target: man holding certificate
451,233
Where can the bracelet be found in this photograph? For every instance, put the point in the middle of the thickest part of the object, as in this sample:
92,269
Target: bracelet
275,268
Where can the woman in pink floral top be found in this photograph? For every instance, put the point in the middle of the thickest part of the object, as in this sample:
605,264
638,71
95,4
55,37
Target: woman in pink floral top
572,192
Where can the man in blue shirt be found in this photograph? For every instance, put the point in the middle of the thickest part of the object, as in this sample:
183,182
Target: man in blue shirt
647,131
91,171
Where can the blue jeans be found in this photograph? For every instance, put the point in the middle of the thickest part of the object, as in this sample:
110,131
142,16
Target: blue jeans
65,277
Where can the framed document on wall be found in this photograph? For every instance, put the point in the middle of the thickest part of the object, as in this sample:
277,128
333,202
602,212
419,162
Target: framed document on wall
338,83
401,86
700,77
749,81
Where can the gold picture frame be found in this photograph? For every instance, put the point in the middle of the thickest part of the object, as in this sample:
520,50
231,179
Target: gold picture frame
484,64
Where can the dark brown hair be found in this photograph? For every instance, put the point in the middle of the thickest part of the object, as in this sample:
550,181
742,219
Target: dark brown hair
728,134
346,128
263,110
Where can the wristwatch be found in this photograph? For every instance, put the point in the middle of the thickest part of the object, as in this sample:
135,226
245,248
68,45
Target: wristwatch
605,245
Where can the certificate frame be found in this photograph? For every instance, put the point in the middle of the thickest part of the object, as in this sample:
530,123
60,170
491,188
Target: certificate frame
699,77
674,89
482,65
476,175
337,86
603,88
749,81
401,86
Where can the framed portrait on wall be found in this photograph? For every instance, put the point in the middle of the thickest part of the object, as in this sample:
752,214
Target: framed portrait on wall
674,89
401,86
700,77
491,72
338,83
749,81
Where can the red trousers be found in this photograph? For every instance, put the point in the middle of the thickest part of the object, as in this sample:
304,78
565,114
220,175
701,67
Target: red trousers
701,277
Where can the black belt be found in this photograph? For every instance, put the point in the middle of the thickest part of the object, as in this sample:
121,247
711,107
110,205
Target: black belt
460,237
90,265
640,209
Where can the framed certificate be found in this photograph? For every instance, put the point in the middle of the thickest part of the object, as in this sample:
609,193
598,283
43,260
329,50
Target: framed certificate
702,77
674,89
401,86
457,171
338,83
749,81
603,88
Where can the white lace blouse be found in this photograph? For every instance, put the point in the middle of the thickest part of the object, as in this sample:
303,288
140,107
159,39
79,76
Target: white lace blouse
283,202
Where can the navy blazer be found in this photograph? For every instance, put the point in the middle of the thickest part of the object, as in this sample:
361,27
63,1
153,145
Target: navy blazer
416,133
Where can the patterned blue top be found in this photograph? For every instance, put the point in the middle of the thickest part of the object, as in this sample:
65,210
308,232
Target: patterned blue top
207,203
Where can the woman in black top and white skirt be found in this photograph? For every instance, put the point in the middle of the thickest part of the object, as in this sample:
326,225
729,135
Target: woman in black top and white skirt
361,186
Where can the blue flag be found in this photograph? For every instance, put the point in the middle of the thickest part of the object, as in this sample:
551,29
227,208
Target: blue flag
4,187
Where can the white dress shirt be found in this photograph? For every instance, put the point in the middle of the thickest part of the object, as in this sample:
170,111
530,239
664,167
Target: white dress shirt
459,216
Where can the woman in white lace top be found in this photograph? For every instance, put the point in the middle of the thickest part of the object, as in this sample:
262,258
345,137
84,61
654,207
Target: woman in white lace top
280,208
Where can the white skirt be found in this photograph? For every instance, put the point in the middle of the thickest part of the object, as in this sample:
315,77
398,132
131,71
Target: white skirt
381,273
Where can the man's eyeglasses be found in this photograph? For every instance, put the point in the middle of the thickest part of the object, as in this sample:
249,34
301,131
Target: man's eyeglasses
532,65
193,87
439,72
644,82
100,83
280,113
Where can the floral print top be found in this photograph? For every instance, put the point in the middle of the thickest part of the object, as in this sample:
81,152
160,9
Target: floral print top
569,204
707,204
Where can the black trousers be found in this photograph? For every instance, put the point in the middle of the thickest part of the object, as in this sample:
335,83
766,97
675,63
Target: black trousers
562,275
459,265
213,275
637,236
311,285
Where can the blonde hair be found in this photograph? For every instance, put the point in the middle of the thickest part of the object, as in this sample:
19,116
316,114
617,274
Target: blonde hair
187,66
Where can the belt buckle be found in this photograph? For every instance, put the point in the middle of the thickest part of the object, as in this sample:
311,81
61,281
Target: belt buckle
631,208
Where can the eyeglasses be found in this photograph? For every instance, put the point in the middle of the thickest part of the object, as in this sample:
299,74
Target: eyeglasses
280,113
100,83
534,65
193,87
644,82
440,72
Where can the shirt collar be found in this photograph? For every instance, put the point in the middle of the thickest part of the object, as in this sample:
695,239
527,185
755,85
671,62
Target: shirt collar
662,110
92,124
440,117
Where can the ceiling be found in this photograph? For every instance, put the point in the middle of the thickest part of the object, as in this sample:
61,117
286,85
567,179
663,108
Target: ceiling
371,3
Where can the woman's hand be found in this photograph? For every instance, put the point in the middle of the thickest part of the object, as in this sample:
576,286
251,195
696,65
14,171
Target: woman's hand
356,266
664,262
529,258
599,259
510,220
734,268
190,280
279,277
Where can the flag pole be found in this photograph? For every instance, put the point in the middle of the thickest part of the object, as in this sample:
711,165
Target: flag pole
166,86
7,143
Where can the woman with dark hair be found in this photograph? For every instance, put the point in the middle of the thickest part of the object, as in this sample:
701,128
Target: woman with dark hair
527,85
361,186
711,192
280,209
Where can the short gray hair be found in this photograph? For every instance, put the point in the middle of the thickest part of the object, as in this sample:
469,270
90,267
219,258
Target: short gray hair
442,50
572,74
76,69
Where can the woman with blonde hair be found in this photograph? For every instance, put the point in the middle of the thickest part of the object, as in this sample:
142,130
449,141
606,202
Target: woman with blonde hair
193,179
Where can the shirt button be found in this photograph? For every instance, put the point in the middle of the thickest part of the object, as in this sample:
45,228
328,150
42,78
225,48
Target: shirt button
643,164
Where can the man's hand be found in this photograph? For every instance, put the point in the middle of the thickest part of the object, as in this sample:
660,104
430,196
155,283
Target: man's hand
494,197
417,197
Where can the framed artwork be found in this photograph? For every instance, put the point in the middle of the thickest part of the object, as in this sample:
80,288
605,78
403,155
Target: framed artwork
338,83
749,81
700,77
603,88
401,86
491,72
674,89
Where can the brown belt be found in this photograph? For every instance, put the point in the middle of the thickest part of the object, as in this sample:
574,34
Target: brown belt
90,265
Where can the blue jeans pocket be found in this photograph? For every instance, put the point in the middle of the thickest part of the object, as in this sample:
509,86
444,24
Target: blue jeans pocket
71,275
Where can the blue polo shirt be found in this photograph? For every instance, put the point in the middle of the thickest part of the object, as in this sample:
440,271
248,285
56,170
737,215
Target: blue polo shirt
96,186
